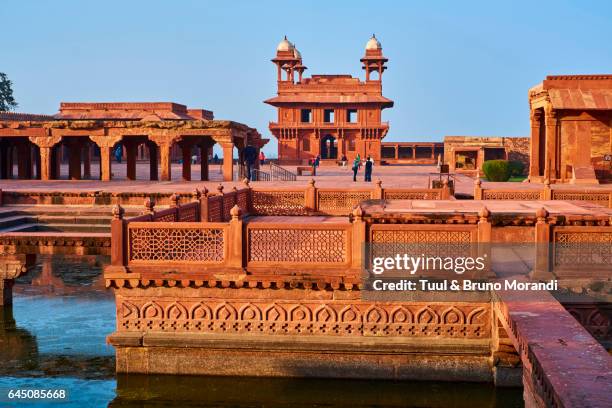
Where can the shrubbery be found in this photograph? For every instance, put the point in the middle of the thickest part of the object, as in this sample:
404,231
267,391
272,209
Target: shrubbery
517,168
496,170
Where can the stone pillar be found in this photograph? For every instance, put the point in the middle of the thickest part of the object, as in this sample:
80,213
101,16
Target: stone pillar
433,154
152,161
105,163
414,152
550,168
534,144
24,161
74,158
166,171
87,160
45,163
396,152
131,148
11,267
204,152
228,161
186,155
56,158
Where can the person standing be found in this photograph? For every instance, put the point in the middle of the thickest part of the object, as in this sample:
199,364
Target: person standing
250,155
368,169
317,160
356,164
262,158
344,160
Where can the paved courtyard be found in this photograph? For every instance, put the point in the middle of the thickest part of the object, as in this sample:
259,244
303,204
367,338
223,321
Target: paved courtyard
407,176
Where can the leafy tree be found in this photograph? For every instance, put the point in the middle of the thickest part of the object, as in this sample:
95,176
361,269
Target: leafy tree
7,102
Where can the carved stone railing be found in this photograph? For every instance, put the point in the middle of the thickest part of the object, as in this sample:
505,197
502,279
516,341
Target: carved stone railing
331,201
600,197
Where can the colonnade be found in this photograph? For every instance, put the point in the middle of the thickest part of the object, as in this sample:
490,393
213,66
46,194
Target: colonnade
41,157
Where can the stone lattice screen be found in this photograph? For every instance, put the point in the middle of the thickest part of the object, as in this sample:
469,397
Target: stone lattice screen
279,202
151,242
298,245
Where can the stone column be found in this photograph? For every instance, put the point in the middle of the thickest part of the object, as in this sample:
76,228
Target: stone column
131,148
24,161
166,170
11,267
228,161
87,160
396,152
152,161
57,161
186,155
413,152
74,158
550,169
45,163
204,152
534,144
106,144
105,163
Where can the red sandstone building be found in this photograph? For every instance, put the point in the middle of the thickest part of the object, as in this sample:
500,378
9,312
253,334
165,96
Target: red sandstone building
571,129
328,115
37,142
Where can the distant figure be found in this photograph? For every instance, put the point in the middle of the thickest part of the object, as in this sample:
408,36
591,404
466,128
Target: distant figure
344,160
356,164
358,159
216,159
368,169
194,159
317,160
250,155
119,153
262,158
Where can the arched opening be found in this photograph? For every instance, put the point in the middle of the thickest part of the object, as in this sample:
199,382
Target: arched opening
329,147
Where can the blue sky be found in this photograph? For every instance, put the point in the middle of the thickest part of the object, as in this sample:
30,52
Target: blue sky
455,67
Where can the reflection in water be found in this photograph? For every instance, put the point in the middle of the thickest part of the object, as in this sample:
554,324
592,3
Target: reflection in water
54,337
184,391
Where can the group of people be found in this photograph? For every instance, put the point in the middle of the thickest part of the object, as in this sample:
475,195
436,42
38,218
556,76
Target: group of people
368,165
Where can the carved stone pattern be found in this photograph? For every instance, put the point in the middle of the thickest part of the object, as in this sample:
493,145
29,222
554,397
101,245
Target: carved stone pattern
592,197
176,244
412,195
229,201
583,248
389,243
215,210
188,213
340,200
278,202
242,200
170,216
298,245
511,195
595,318
414,320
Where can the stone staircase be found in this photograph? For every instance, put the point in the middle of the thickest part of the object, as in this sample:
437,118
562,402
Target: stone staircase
65,219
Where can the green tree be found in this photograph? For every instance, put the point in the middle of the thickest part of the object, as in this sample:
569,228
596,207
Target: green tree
7,102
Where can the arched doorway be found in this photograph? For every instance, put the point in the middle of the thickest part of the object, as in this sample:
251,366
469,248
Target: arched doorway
329,147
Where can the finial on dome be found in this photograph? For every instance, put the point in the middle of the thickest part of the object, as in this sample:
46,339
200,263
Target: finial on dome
373,43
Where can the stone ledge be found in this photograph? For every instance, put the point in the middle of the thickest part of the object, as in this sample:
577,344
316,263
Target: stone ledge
288,343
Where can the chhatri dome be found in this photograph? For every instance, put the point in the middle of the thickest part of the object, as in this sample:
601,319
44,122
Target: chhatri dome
373,44
296,53
284,45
